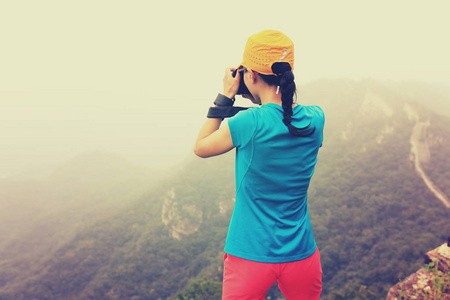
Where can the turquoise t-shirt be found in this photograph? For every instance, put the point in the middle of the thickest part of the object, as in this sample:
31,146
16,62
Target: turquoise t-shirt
270,221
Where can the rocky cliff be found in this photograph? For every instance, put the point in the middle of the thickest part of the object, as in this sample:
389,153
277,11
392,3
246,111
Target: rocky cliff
430,282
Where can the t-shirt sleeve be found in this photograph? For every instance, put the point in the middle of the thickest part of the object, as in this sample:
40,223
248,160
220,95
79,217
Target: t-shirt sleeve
242,127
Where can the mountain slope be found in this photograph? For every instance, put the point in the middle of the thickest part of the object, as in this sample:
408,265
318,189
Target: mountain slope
372,214
37,218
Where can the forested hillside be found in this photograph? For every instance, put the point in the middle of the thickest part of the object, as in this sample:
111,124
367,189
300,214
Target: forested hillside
372,214
39,217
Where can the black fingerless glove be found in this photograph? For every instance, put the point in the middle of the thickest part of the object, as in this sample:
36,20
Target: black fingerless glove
222,100
224,108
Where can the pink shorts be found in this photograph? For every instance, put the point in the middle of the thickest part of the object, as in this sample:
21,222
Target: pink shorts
245,279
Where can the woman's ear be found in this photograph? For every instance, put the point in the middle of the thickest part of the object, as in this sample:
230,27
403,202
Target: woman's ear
252,75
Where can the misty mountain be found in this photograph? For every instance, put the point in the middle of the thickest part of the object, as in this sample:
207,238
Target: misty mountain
38,217
372,212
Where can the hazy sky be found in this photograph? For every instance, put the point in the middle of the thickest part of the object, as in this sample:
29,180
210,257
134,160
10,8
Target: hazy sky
137,77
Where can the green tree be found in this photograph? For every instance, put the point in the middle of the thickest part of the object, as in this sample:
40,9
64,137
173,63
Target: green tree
202,289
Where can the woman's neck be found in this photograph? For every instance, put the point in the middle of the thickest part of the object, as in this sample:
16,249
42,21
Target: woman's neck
269,95
272,97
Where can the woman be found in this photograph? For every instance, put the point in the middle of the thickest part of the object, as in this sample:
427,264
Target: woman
270,237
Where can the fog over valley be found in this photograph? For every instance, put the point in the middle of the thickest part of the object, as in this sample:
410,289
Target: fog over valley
48,129
137,79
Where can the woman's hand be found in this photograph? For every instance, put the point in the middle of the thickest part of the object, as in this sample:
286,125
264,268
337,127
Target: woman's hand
230,83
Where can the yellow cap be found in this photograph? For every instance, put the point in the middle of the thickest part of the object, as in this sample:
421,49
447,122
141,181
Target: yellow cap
266,48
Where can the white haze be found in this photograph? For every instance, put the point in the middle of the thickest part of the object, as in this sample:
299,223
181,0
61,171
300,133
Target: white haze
136,77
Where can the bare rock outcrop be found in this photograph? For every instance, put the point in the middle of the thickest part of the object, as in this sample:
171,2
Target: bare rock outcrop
183,219
427,283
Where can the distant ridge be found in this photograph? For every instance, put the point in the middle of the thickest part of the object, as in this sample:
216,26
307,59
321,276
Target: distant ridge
94,163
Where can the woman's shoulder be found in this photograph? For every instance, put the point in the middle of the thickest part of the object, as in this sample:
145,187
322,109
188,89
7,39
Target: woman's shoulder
313,110
243,118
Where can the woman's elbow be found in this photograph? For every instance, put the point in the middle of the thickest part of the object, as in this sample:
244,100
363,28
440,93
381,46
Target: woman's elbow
200,152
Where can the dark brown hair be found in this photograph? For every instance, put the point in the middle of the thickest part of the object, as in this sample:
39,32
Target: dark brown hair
288,89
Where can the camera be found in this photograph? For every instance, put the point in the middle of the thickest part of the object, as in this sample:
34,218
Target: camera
242,87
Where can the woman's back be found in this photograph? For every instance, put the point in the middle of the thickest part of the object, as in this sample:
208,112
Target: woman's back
273,171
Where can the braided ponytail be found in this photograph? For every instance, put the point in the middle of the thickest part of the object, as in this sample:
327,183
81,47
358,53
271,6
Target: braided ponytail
288,89
285,81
